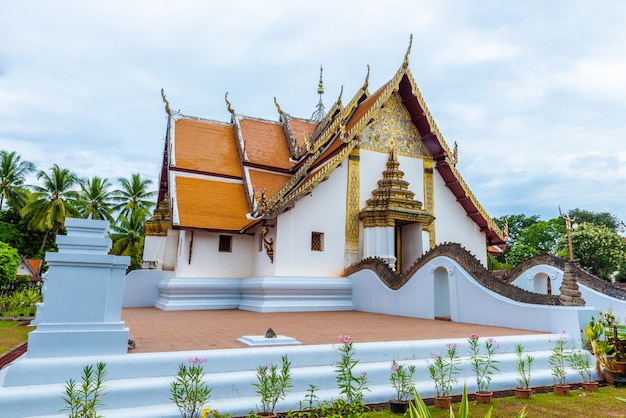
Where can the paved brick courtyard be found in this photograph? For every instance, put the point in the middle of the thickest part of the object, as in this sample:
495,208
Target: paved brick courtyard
155,330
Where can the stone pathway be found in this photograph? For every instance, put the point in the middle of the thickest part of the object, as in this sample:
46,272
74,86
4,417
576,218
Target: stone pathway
155,330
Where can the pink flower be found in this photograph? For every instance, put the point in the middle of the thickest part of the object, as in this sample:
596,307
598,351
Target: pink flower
474,336
491,340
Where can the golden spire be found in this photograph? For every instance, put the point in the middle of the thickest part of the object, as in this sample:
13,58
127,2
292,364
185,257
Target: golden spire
167,104
319,112
280,111
230,109
405,64
320,86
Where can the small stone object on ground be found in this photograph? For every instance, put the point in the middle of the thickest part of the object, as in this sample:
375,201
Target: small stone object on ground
270,333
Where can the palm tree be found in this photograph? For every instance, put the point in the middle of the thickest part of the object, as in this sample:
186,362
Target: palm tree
51,203
96,201
128,239
133,196
13,173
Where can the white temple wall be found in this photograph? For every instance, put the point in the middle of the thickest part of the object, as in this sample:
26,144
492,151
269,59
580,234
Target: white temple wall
453,224
206,259
323,211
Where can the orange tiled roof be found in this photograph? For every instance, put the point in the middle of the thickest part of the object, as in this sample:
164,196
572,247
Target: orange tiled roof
211,204
298,127
265,143
207,147
35,265
270,182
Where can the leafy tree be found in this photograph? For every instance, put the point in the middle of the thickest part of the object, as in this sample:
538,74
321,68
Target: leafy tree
13,173
51,203
9,260
14,231
128,238
516,224
96,200
599,249
134,196
596,218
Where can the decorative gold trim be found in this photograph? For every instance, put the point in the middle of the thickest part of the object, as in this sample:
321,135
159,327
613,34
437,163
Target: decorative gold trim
228,106
429,200
353,202
280,111
167,104
405,63
268,244
306,188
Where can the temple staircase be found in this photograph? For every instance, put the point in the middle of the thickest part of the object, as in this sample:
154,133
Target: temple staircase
138,385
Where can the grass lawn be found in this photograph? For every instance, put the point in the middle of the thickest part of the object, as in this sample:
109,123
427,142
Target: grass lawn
579,404
12,335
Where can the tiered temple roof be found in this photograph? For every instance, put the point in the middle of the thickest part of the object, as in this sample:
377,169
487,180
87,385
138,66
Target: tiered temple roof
230,176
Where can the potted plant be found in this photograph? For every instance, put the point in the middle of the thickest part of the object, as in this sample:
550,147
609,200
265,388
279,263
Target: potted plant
272,385
557,362
483,366
579,361
443,371
402,381
523,366
189,391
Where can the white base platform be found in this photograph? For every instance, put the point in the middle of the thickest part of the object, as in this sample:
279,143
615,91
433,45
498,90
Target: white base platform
262,341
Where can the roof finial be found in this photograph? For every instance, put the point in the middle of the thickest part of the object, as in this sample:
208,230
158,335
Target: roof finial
230,109
367,78
405,64
340,94
280,111
167,104
319,112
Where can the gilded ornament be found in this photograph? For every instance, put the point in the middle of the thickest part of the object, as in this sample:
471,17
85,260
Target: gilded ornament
167,104
228,106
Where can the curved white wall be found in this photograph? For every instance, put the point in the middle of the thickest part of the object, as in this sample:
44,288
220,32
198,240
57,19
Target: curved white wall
469,301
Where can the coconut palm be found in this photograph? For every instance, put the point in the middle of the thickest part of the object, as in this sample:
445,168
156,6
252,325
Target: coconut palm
127,237
96,200
51,203
13,173
134,196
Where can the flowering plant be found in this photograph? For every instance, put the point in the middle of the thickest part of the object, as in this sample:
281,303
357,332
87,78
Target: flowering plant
444,368
523,366
579,361
402,379
483,365
350,386
189,392
272,383
557,360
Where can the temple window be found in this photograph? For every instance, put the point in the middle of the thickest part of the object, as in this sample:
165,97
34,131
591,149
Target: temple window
226,244
317,241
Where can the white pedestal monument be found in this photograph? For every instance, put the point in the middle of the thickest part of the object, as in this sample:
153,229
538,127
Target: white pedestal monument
82,296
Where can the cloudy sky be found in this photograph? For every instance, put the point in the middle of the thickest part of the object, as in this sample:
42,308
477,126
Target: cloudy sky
533,92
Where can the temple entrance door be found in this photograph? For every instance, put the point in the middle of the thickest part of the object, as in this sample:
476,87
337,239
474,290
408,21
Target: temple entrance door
442,294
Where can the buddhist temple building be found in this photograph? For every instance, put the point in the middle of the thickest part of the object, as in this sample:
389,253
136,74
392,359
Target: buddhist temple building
300,197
